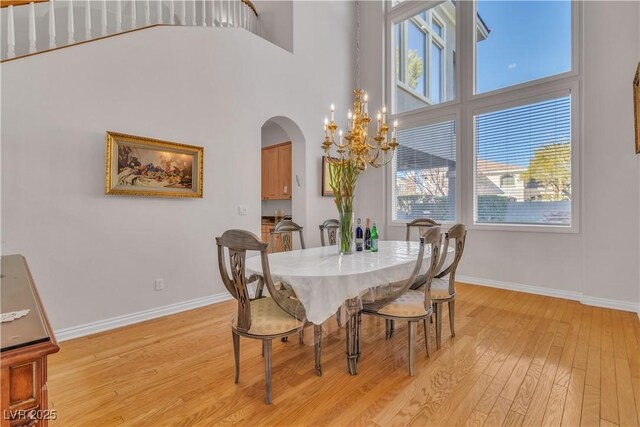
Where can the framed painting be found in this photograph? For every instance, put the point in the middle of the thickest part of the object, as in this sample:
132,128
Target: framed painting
326,188
138,166
636,106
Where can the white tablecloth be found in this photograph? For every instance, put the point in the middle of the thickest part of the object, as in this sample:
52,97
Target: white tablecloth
323,280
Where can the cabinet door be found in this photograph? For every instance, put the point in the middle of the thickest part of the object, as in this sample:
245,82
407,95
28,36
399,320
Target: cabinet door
284,171
270,173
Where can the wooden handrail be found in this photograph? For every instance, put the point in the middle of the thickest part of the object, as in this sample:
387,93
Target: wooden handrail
6,3
247,2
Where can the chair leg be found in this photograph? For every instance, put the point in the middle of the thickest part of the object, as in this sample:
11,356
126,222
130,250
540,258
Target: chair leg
438,312
358,334
339,318
301,336
427,334
412,346
284,339
317,341
236,354
267,370
452,312
391,327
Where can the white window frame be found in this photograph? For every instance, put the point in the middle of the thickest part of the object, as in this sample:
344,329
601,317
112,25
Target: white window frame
408,11
467,103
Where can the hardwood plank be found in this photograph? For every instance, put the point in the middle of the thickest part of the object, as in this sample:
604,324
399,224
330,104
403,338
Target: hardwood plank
514,419
476,419
626,403
535,413
575,395
555,405
498,412
590,406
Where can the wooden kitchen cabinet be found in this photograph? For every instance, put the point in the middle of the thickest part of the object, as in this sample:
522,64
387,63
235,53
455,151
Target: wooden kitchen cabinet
266,237
276,172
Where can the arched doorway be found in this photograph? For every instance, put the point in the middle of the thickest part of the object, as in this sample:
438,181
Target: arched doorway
279,131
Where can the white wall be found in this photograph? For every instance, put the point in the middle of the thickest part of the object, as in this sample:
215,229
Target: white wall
95,256
602,260
277,21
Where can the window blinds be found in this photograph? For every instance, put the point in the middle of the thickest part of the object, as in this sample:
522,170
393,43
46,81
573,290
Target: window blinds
424,173
523,164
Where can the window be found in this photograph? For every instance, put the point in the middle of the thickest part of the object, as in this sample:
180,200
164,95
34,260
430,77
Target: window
523,164
424,60
521,41
507,180
424,173
514,106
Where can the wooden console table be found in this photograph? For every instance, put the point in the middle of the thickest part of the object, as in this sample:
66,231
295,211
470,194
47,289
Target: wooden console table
26,343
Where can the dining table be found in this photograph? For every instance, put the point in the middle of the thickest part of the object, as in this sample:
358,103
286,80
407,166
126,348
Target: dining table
325,280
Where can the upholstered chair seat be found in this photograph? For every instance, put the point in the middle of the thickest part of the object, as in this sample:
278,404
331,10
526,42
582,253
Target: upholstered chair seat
440,288
409,304
267,318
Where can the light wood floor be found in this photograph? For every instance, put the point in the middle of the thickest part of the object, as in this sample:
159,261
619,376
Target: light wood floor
517,359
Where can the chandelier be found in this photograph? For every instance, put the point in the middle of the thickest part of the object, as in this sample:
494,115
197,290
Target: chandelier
357,146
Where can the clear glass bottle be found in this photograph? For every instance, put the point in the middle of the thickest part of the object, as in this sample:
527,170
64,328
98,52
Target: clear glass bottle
359,236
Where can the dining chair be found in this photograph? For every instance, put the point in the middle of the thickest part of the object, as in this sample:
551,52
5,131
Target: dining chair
422,224
285,230
443,288
403,303
330,228
264,318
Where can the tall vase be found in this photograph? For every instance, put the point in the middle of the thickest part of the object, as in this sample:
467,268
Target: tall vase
346,232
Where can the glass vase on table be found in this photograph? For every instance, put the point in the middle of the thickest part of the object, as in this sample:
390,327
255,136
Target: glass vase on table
346,242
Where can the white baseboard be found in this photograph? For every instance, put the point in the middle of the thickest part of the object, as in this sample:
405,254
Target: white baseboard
140,316
576,296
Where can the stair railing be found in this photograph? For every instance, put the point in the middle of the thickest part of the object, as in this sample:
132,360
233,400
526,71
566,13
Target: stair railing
39,25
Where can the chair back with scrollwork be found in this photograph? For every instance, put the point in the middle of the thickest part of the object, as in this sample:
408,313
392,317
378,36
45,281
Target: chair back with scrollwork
422,224
286,229
387,293
237,244
457,233
330,228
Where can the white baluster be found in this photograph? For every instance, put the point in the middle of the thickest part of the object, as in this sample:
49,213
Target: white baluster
147,13
204,12
87,20
228,13
133,14
103,18
193,16
183,12
70,26
213,13
159,10
52,25
172,12
236,13
118,16
11,34
32,28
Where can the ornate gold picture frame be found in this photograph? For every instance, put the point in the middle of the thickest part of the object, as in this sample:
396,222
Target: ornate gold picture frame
139,166
636,106
326,188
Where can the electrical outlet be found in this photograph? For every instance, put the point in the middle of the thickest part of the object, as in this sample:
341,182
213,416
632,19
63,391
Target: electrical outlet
242,210
159,284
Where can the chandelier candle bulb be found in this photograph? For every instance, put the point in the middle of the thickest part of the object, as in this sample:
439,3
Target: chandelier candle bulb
333,109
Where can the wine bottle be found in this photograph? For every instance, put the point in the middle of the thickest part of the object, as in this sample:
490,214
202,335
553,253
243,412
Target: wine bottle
359,237
374,238
367,236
